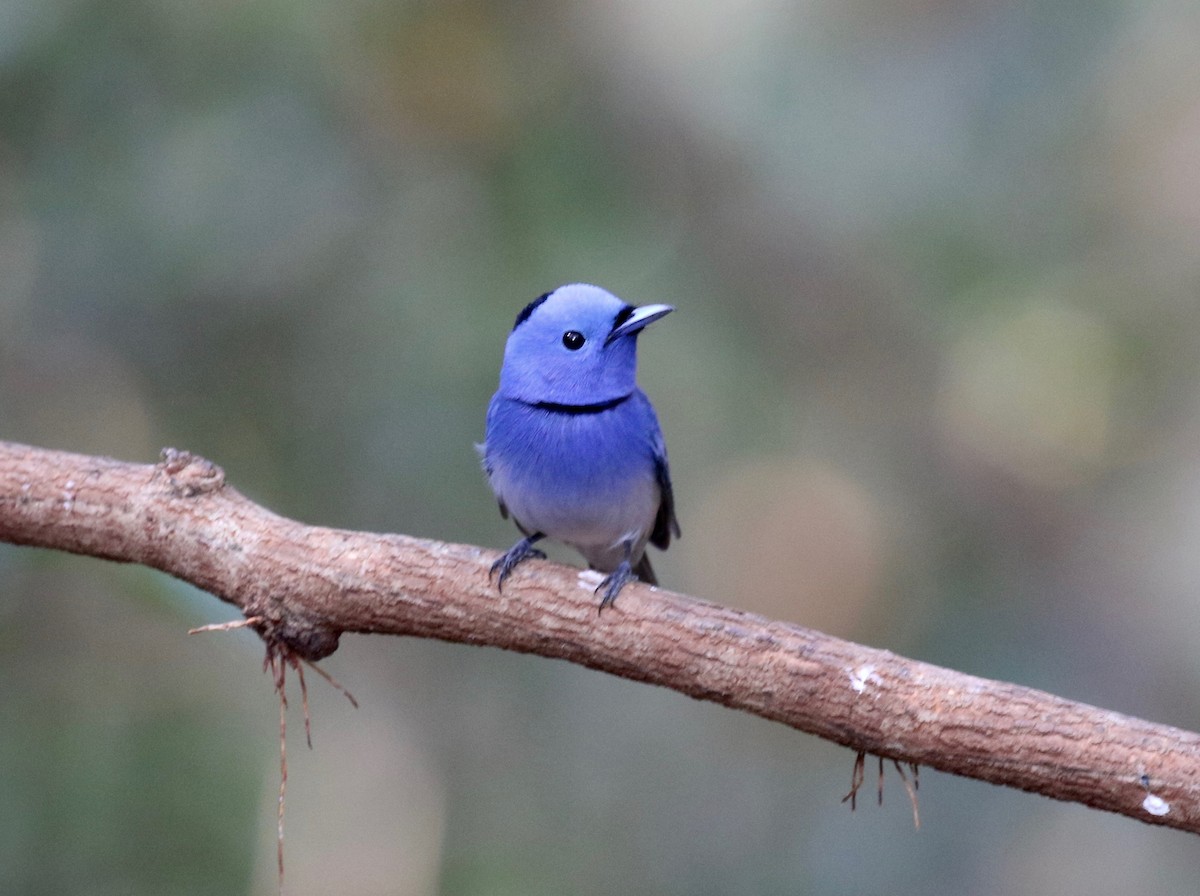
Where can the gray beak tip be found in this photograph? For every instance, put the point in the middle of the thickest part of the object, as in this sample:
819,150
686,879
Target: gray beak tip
642,316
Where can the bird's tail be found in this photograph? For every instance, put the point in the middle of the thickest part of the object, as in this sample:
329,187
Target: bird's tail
644,571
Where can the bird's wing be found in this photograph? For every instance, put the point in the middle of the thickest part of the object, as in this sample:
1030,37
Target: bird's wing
482,448
665,524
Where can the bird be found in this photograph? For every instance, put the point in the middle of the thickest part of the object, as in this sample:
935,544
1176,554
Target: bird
573,449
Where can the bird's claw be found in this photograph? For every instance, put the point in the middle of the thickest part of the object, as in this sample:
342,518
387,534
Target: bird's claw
613,583
520,552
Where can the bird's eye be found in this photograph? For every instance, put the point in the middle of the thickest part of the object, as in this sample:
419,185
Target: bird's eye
573,340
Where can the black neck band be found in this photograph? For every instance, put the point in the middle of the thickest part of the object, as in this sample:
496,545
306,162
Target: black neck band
597,408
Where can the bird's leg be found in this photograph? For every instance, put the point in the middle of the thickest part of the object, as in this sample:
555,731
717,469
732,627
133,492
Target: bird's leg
520,552
616,580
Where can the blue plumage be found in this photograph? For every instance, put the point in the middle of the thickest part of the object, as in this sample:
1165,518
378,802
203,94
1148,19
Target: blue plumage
573,449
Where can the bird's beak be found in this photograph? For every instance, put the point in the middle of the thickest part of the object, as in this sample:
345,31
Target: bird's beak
646,314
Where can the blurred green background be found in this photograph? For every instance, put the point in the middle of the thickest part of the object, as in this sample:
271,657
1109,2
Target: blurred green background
933,384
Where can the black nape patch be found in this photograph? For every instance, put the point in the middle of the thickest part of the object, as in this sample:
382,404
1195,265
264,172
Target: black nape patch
623,315
528,309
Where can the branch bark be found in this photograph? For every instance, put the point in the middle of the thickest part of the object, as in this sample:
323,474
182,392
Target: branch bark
308,584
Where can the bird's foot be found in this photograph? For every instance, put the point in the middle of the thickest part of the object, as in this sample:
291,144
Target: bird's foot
614,582
520,552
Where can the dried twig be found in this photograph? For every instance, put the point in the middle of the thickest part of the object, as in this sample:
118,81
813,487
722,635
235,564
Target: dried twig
306,585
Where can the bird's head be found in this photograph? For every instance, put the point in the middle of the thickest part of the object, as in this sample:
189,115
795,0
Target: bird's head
576,345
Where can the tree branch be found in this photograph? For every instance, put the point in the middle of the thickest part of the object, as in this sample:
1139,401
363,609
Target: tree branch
309,584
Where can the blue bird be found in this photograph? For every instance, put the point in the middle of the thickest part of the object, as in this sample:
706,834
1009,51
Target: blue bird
573,448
